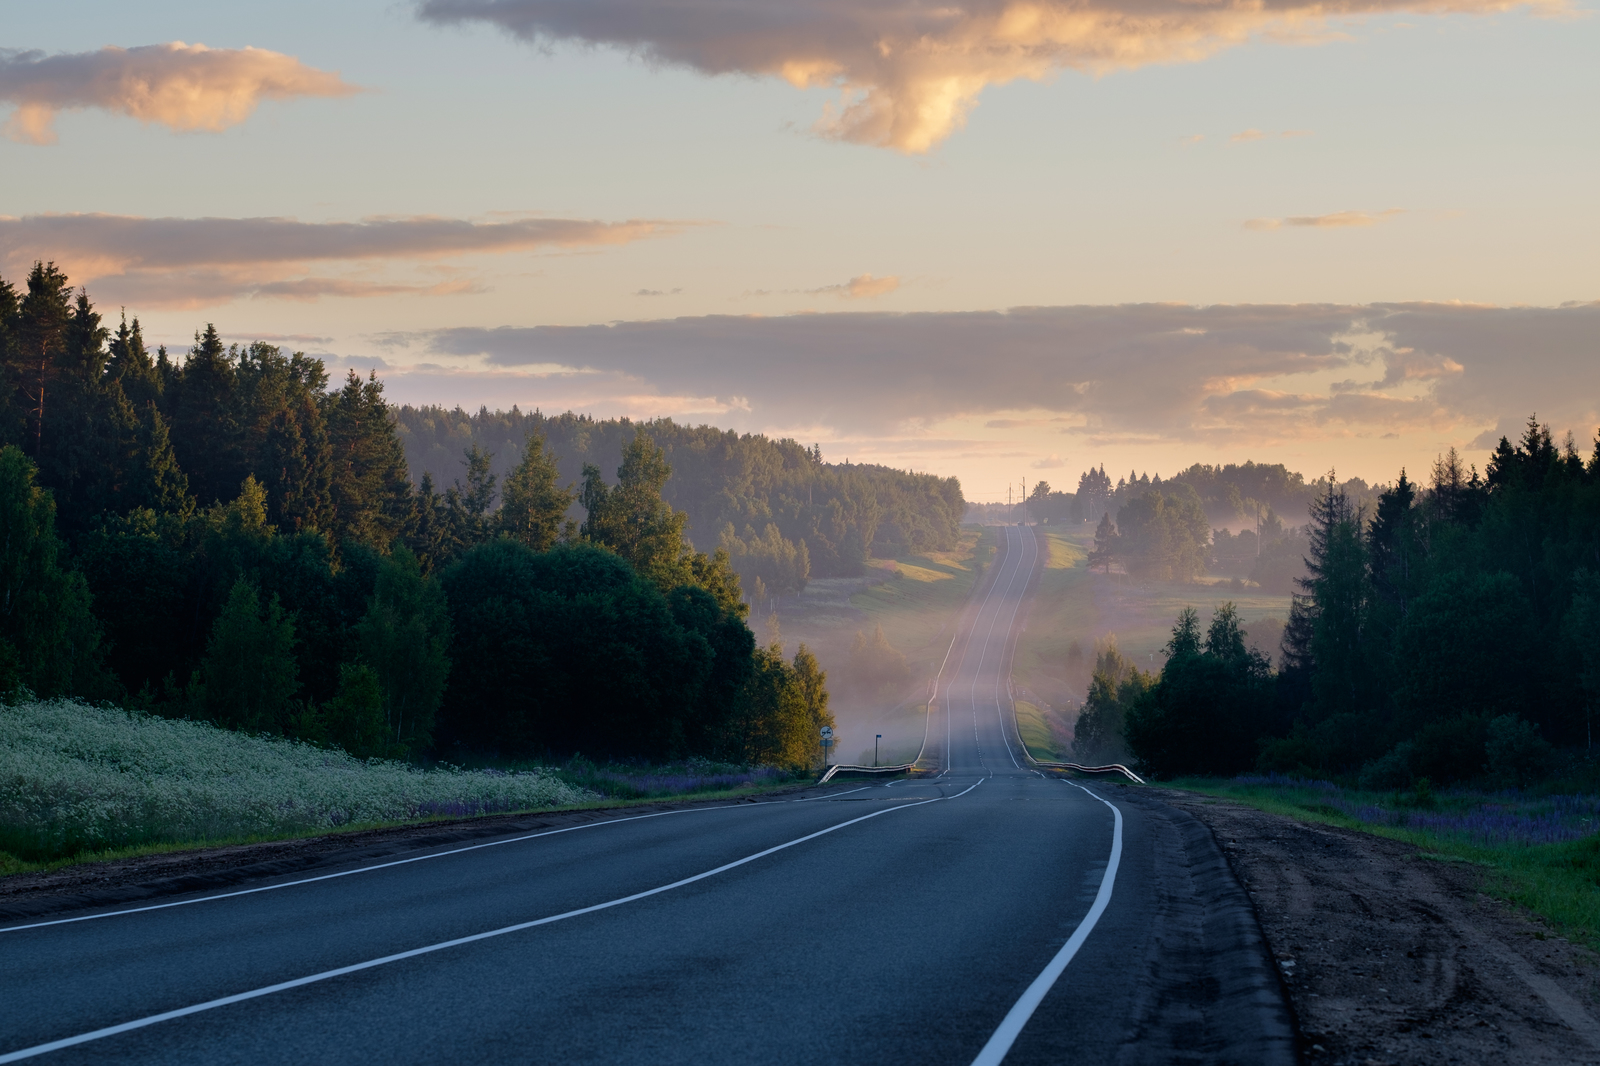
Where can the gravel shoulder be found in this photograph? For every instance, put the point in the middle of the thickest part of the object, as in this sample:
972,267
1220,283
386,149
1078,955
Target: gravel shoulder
1388,956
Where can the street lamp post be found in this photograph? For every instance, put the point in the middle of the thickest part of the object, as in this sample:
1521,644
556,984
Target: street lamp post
875,749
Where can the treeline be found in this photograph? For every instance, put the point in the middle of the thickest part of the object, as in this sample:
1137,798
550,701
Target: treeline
1227,493
225,537
1163,530
1450,632
783,514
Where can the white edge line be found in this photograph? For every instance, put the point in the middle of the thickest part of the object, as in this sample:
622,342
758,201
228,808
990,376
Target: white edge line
1017,1017
325,975
403,862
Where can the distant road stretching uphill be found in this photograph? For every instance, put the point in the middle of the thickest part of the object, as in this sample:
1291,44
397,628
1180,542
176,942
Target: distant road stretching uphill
985,913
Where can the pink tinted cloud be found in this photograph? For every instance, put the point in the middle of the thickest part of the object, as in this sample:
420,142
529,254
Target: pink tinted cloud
180,86
910,71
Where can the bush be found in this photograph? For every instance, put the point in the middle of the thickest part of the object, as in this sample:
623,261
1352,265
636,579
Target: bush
1516,753
1391,770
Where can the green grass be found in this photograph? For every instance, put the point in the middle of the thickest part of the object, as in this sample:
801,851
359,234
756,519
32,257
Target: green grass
11,864
1072,604
917,607
1037,736
1559,882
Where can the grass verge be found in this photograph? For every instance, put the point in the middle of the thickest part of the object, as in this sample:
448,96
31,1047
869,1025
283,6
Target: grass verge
1044,736
81,783
1540,852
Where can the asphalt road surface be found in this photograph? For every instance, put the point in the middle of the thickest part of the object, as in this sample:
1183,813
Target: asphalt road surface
986,913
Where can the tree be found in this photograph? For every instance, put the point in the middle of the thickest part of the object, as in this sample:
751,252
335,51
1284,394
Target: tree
404,640
876,666
354,719
633,520
371,487
203,405
48,632
781,565
535,505
249,673
1210,706
573,650
1105,544
43,319
1165,535
1097,737
813,682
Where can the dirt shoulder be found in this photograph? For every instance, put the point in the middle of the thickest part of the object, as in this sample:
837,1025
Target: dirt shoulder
1388,956
149,877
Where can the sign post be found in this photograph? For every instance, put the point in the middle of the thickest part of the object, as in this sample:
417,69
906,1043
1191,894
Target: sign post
827,742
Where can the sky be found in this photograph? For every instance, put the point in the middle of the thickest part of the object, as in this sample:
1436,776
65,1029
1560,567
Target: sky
998,240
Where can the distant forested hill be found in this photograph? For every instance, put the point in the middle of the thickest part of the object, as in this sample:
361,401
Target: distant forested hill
838,514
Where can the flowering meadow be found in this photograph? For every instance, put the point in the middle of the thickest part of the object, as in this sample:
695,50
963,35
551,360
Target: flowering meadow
1475,816
77,778
1538,849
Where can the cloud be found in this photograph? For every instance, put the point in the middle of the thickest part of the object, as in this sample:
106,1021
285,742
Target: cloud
181,86
909,71
1195,139
1256,135
1050,462
1223,375
860,287
658,292
1337,220
199,261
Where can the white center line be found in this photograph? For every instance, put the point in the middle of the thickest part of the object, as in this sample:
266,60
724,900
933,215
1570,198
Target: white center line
1017,1017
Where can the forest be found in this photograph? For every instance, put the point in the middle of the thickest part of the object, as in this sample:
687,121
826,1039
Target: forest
1443,632
229,537
782,513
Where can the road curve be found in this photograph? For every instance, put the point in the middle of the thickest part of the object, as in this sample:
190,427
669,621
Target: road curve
979,914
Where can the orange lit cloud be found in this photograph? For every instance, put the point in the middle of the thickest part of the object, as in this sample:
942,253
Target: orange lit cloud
1337,220
910,71
194,262
181,86
860,287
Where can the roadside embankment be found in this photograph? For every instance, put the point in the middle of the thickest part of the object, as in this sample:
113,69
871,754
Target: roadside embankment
1392,955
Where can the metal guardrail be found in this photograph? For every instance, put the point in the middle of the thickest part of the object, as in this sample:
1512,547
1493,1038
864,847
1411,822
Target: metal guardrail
836,767
1114,768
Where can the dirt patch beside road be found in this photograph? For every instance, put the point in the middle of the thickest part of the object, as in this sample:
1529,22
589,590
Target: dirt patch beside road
1389,956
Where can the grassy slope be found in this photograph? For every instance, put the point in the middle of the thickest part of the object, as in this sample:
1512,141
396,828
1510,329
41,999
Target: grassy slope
1073,604
1037,735
1555,881
915,599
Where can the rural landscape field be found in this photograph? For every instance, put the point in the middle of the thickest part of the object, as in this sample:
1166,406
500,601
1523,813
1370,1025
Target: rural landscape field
749,532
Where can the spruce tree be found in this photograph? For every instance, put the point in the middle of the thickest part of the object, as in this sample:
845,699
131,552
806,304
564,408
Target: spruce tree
535,505
43,318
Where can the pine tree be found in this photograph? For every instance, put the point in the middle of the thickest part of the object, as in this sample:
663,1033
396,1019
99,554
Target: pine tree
371,488
43,318
534,505
204,419
633,520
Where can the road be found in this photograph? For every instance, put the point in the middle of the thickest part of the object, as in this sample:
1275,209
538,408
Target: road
985,913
